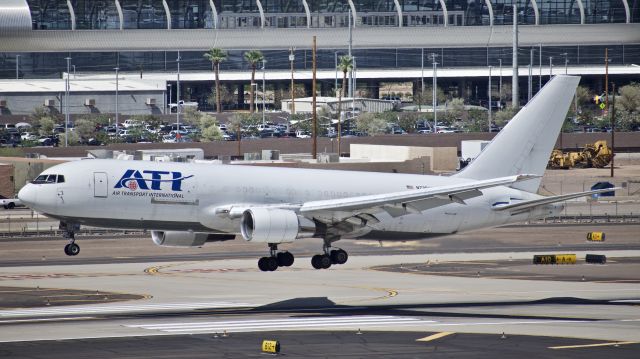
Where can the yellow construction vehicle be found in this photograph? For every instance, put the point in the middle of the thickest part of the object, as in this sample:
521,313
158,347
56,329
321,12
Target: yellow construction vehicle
596,155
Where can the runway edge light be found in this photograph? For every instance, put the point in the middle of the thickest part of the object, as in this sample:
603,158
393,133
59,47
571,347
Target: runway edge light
271,346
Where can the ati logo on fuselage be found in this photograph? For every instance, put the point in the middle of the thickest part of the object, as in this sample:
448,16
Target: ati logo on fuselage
133,179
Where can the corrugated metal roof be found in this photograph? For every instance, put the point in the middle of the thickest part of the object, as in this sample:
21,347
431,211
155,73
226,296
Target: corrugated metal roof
406,37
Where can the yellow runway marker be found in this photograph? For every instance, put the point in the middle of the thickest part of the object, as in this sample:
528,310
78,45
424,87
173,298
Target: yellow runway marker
434,336
593,345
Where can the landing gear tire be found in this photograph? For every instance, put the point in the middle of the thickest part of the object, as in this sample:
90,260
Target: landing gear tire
316,261
72,249
339,256
268,264
285,259
321,261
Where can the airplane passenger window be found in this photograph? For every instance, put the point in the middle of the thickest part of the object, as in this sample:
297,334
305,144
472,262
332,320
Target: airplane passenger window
60,179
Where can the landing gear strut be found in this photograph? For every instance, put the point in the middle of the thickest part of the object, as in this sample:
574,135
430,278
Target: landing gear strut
275,260
330,256
71,249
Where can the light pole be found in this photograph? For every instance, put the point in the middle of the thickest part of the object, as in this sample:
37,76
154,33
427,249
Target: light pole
178,100
435,86
336,67
490,113
550,67
74,71
66,105
530,75
500,84
264,90
566,63
292,58
421,79
117,85
169,102
17,67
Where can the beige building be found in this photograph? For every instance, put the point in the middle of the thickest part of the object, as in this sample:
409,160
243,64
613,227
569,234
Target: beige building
443,159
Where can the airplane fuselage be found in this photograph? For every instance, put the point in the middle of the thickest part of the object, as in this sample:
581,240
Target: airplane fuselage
184,197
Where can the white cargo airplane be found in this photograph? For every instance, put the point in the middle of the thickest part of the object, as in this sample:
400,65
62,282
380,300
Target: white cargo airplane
191,204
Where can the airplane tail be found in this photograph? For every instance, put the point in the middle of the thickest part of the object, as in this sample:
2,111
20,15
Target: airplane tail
526,142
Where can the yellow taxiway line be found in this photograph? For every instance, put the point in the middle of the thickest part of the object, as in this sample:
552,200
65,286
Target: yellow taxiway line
592,345
434,336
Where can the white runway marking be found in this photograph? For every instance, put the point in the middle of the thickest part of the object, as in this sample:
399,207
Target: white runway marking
95,309
279,324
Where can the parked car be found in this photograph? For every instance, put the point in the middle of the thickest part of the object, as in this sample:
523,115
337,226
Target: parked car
10,203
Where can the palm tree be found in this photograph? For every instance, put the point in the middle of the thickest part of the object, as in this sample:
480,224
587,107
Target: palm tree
345,64
216,56
253,57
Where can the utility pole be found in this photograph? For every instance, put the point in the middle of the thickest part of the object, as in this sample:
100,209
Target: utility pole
434,85
515,93
613,126
264,90
350,55
66,104
117,112
490,119
292,57
314,151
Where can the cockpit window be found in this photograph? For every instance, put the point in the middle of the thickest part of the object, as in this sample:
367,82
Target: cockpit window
48,179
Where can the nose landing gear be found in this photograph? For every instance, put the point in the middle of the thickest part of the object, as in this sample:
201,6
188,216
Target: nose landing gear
71,249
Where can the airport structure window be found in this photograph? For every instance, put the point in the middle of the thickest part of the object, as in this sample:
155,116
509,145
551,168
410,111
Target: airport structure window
238,13
50,14
559,12
95,14
503,12
143,14
284,13
51,65
603,11
191,14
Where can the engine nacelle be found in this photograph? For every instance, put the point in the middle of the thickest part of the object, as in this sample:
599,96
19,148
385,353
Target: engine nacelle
187,239
273,225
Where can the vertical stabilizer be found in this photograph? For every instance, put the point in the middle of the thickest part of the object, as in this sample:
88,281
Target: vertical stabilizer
526,142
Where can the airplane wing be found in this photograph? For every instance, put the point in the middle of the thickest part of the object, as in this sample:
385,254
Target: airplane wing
525,205
410,201
395,203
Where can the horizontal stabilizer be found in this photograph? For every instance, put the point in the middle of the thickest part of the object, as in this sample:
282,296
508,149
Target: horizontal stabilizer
520,206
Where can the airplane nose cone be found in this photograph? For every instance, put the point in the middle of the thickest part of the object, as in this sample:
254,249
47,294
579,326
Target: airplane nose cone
27,195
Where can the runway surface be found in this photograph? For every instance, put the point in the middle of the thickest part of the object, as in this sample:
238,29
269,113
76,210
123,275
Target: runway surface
393,294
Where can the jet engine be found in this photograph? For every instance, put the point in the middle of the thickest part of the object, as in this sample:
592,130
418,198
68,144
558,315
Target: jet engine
274,225
187,239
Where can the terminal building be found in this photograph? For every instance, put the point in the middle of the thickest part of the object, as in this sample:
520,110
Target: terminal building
462,42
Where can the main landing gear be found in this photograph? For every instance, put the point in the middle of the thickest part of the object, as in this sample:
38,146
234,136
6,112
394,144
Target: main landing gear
324,261
275,260
330,256
71,249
